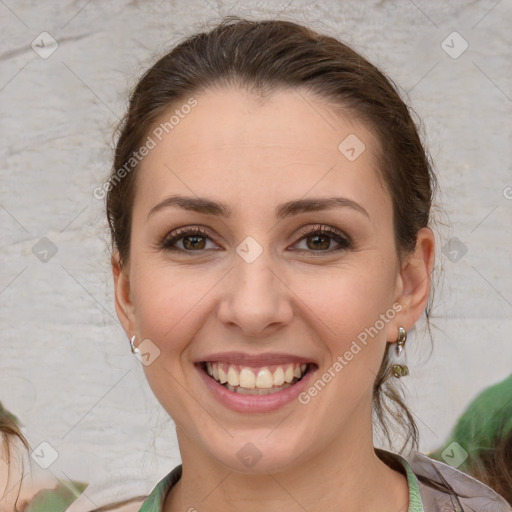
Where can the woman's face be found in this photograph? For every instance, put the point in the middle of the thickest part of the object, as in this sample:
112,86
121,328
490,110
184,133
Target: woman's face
259,293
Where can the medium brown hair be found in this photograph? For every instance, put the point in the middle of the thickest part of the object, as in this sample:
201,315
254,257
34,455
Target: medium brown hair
493,466
262,57
10,432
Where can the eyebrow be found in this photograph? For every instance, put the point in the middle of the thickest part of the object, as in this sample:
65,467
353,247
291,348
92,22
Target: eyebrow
210,207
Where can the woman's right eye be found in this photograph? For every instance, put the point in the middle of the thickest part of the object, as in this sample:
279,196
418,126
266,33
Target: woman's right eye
192,240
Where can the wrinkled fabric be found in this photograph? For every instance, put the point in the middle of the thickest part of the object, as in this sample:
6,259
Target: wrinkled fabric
446,489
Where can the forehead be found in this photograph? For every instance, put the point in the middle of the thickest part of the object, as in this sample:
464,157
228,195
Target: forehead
233,143
230,116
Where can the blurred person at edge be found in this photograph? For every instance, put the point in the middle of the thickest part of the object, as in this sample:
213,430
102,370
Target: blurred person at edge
25,489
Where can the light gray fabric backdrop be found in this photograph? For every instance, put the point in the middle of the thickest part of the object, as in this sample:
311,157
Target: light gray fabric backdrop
65,365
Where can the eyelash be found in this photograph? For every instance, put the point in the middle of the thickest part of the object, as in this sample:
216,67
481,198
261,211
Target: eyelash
341,238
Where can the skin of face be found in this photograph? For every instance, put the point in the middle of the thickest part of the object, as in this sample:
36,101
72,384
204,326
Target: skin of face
254,154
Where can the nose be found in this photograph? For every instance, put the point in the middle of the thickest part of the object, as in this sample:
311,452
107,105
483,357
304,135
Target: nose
255,298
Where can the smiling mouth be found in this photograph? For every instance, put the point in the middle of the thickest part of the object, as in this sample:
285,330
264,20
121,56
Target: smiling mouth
264,380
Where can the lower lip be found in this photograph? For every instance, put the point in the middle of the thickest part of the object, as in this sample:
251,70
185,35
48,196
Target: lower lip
254,403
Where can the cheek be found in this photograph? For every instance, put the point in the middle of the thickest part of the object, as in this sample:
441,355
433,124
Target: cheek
348,301
166,301
349,313
170,302
167,312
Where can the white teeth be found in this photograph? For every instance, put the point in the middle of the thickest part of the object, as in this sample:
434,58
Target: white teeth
288,374
278,376
245,378
264,380
233,379
257,391
222,375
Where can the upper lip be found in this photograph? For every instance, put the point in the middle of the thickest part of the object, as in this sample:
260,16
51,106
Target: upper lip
240,358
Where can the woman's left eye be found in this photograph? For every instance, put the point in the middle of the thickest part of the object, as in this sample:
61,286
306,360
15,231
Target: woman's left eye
317,239
321,236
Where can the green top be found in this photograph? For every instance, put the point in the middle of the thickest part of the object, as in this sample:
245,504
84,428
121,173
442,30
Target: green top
155,501
57,499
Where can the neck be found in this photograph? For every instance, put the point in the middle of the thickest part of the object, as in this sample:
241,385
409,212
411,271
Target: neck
347,476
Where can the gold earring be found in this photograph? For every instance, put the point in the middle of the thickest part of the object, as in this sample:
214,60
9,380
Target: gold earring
400,370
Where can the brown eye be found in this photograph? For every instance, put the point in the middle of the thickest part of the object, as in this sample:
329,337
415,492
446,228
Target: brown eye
192,240
320,240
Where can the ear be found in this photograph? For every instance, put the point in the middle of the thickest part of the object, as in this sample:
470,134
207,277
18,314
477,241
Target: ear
123,303
414,282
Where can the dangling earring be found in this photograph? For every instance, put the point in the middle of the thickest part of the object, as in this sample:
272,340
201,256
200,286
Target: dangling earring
135,350
400,370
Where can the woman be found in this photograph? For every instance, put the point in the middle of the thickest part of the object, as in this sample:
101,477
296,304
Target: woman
269,206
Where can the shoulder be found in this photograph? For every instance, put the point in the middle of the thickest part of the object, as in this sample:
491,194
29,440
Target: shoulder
445,488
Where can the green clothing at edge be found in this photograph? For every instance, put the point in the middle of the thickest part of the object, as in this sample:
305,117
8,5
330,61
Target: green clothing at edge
487,418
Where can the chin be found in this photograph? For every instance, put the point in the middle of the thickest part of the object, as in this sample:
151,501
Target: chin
251,456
